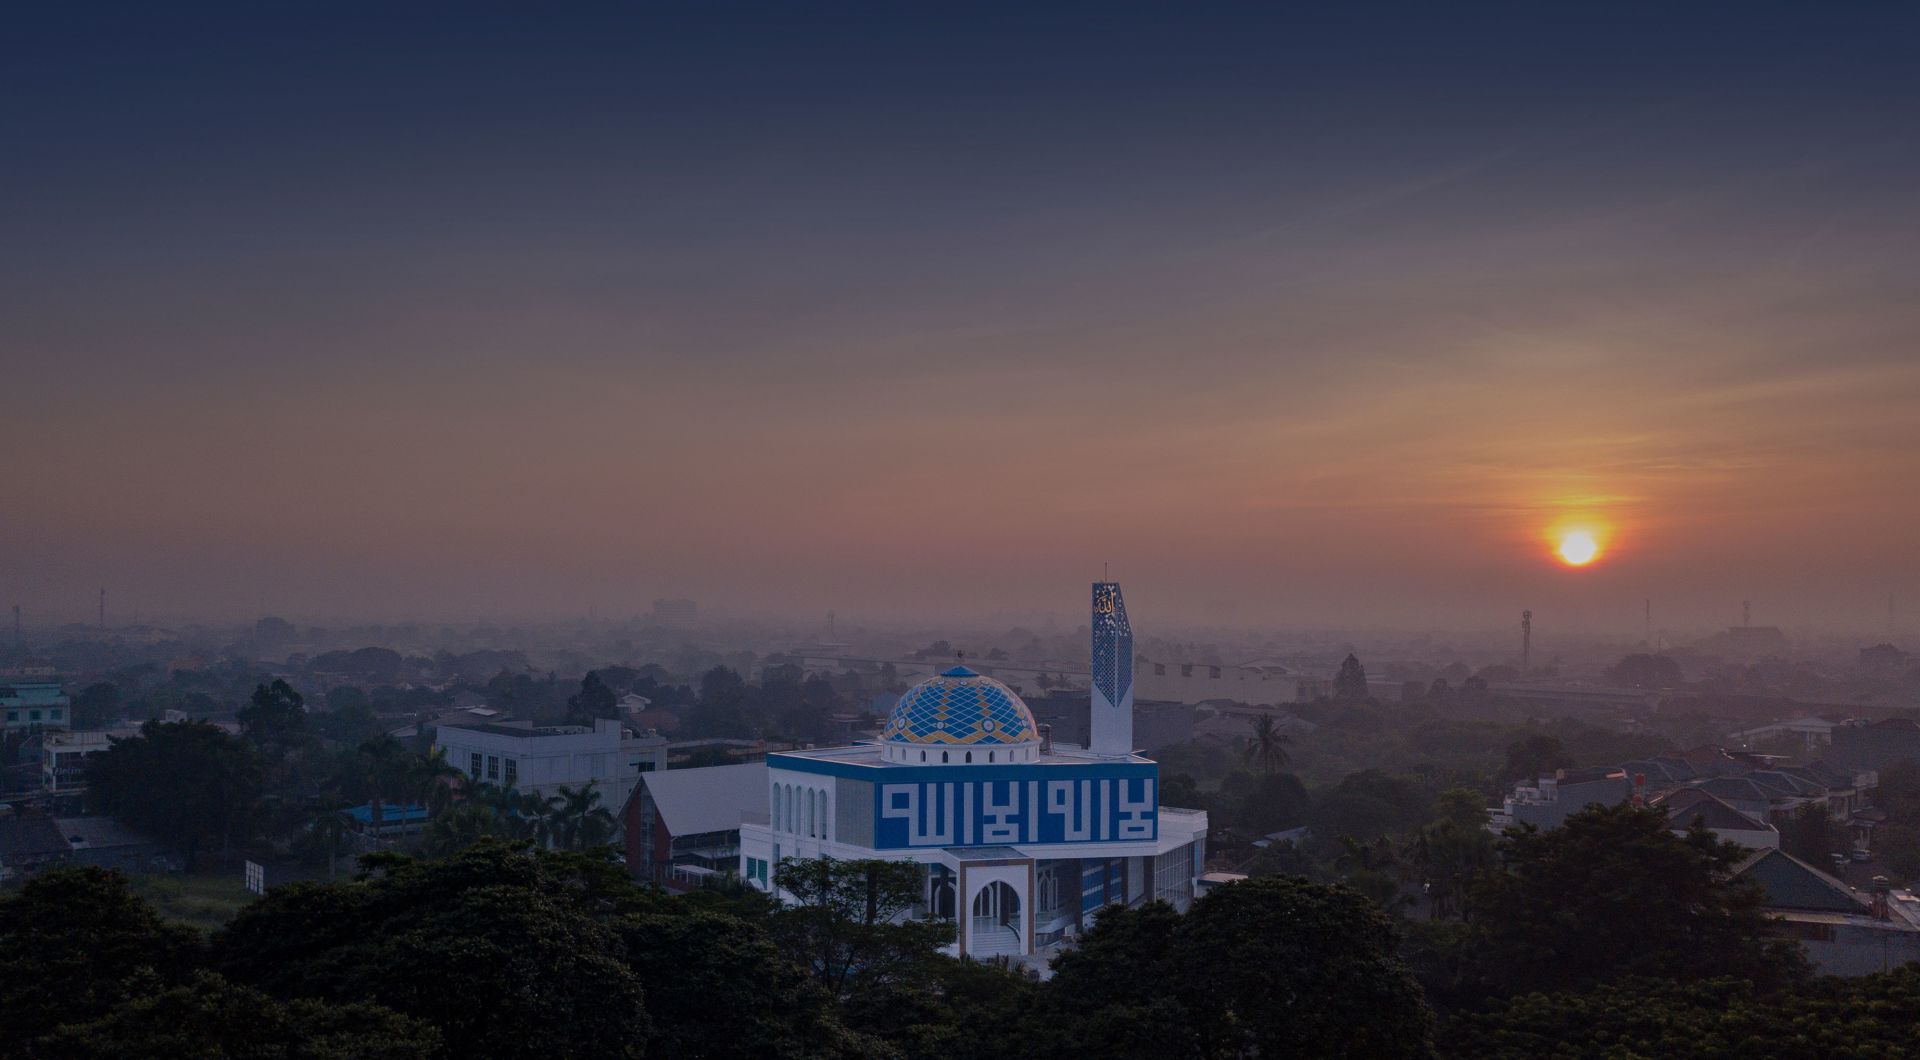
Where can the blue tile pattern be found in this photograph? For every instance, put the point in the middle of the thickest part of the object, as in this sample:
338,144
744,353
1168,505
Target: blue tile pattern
961,707
1112,643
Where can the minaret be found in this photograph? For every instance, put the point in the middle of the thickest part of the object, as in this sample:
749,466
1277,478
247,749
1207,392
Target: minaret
1110,724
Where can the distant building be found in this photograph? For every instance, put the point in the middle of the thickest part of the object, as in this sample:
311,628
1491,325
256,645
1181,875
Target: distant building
1875,745
1684,806
1260,682
683,825
1843,931
63,758
33,704
1813,732
1550,800
540,761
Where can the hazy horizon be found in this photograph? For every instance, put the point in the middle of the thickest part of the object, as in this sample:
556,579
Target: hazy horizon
1294,319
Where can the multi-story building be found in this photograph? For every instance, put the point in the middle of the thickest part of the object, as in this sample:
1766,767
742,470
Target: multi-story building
33,704
63,758
1021,841
540,761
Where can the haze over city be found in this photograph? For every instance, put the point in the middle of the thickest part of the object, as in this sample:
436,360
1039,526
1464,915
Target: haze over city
1303,318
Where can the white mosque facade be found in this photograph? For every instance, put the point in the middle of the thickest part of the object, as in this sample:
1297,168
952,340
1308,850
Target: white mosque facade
1021,842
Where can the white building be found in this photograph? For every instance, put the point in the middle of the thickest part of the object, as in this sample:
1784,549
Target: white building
1021,842
540,761
33,704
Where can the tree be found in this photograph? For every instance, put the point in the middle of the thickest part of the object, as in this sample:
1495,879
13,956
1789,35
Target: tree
594,701
1278,966
1350,684
1274,966
1267,747
74,945
576,820
97,706
1534,755
211,1019
691,966
843,928
274,719
1809,834
1611,893
1867,1018
185,782
507,953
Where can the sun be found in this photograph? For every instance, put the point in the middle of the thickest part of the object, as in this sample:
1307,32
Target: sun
1577,548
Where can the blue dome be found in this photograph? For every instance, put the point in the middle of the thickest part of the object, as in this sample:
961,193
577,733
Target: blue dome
961,707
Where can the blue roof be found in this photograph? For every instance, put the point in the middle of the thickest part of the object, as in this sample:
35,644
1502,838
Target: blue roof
389,813
961,707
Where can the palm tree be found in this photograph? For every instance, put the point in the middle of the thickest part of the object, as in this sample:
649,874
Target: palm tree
434,780
465,826
330,825
576,819
1267,748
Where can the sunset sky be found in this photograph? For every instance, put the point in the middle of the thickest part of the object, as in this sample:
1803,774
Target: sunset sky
1292,314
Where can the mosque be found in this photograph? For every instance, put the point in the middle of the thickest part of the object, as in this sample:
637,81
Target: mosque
1021,841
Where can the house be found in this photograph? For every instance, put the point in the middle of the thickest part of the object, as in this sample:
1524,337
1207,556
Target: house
103,841
540,761
30,843
1875,746
1813,731
33,704
1550,800
1684,806
683,825
1843,931
63,758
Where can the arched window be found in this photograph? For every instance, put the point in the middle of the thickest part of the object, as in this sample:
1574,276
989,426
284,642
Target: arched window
825,831
943,756
923,756
969,757
809,796
989,756
779,807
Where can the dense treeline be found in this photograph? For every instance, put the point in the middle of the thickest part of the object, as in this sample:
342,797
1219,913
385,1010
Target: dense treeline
1611,937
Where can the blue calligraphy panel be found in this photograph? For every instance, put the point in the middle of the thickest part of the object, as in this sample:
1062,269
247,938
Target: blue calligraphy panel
1043,810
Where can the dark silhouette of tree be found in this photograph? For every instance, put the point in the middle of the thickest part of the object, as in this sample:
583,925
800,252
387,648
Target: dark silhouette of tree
576,820
508,954
595,700
213,1019
97,706
1274,966
843,928
1728,1017
1535,755
1613,893
1810,835
1266,747
1350,684
186,783
275,720
76,944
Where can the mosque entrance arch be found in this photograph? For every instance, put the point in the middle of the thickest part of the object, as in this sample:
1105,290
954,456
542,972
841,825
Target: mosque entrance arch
995,928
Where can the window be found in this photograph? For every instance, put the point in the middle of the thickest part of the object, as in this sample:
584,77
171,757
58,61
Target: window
513,772
1213,672
810,813
825,832
493,767
989,756
476,766
778,807
14,715
1186,669
943,756
33,715
1159,669
969,756
923,754
56,714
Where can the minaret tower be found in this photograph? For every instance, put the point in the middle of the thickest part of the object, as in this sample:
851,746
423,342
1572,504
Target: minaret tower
1110,724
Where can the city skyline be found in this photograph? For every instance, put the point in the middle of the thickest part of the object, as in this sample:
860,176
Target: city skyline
1295,319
